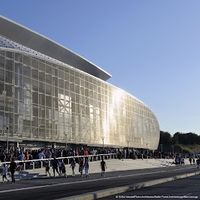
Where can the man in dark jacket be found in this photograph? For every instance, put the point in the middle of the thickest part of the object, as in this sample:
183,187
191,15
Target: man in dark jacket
13,167
55,166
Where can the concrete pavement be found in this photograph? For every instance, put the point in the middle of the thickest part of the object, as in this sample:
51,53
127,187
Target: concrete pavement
112,165
117,181
117,165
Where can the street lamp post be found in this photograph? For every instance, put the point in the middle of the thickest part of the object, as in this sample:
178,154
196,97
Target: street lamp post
7,138
103,141
7,129
127,155
161,150
147,146
173,150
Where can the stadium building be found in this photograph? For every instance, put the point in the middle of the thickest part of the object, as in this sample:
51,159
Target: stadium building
51,95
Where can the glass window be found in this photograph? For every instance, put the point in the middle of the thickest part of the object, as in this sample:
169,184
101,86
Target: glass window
18,57
77,80
82,91
82,82
8,89
71,78
27,83
35,112
16,93
35,74
53,72
8,77
67,94
66,76
26,71
86,84
35,132
2,60
48,89
35,85
18,68
55,103
48,78
34,63
86,92
2,75
66,85
42,99
42,76
48,69
61,74
35,97
35,121
61,92
61,83
77,89
55,81
53,91
48,101
26,60
41,66
9,54
42,132
21,94
2,53
9,65
71,87
41,87
56,92
41,113
1,108
1,87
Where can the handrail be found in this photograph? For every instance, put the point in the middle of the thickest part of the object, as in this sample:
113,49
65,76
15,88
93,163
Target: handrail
39,163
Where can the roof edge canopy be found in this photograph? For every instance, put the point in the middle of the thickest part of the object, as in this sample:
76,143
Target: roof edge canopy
42,44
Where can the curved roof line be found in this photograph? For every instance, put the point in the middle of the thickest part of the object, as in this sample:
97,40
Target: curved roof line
25,36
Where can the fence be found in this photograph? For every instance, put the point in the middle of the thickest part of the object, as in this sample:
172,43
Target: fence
39,163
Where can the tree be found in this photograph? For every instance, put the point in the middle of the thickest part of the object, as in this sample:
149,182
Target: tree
165,138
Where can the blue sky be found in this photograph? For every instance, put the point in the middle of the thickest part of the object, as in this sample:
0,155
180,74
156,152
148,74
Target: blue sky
151,47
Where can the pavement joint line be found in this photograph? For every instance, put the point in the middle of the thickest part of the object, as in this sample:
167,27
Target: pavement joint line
117,190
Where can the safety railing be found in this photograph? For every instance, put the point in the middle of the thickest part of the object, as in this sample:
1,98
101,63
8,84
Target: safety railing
40,163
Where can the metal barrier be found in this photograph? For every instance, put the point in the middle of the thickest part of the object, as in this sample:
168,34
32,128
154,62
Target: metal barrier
39,163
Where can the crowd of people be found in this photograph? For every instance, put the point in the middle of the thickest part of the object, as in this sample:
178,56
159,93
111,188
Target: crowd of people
41,153
57,165
30,154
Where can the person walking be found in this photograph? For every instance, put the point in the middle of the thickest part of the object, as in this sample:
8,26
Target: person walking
198,162
13,167
81,166
73,165
4,172
47,168
63,169
190,160
103,167
55,166
60,166
193,161
86,167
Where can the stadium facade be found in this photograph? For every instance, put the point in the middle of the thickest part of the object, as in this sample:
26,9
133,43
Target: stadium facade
50,94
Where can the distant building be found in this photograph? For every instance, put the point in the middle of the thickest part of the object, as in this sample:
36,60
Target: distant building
50,94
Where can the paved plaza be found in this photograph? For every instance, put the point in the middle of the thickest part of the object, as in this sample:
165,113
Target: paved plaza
112,165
